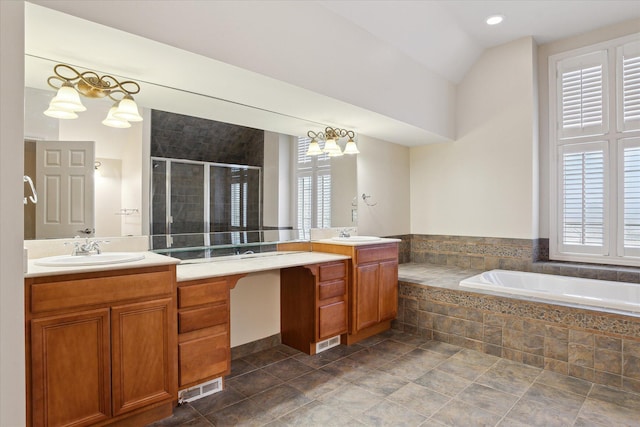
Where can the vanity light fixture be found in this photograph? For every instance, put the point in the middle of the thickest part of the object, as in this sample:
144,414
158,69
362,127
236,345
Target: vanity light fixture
71,83
330,136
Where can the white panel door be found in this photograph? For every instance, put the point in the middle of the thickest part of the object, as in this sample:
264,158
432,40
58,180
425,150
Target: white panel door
65,183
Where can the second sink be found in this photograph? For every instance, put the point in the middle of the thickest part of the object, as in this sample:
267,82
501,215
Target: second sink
94,259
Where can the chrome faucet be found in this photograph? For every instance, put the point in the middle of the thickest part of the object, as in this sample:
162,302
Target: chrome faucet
88,247
345,232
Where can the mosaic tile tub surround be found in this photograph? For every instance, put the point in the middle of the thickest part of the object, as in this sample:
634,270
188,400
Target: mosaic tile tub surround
600,347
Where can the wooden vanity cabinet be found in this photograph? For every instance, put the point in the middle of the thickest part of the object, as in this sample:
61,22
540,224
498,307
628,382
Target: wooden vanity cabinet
101,347
204,343
313,304
373,286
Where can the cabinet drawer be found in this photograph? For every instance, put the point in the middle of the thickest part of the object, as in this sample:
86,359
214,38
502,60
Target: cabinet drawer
200,318
99,290
204,358
332,271
332,320
202,293
378,253
332,289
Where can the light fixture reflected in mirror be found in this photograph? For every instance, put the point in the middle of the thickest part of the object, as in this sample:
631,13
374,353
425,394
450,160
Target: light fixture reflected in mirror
331,147
70,84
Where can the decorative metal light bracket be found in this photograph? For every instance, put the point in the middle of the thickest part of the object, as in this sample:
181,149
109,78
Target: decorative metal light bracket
332,133
91,84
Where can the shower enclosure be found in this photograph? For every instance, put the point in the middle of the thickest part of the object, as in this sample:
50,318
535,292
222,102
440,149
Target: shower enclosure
200,209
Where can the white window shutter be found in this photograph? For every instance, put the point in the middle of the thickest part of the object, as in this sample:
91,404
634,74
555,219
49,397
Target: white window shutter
323,201
313,188
629,196
628,83
583,191
582,95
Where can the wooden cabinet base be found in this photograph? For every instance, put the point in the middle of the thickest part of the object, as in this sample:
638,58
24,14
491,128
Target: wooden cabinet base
142,417
349,339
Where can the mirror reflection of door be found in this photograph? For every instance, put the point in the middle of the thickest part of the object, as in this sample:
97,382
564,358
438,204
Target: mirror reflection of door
65,184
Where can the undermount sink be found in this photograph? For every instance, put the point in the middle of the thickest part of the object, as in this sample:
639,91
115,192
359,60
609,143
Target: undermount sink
356,239
93,259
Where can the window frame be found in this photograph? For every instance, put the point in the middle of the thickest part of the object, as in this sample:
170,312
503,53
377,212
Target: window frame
612,135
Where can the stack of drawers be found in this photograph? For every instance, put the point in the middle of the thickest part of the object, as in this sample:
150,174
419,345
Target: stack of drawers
204,350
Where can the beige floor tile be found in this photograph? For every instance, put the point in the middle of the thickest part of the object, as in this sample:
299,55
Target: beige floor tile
391,414
457,413
420,399
487,398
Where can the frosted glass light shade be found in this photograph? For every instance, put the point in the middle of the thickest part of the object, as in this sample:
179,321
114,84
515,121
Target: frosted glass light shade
115,122
67,99
351,148
57,113
128,110
330,146
314,149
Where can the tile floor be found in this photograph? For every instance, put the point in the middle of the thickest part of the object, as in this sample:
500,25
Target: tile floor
397,379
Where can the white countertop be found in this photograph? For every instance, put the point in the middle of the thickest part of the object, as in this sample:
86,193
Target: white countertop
243,264
150,259
347,242
217,266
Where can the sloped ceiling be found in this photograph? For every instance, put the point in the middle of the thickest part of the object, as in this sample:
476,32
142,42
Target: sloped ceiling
448,36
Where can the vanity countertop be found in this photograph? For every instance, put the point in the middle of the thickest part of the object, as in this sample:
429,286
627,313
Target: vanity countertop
150,260
244,264
355,242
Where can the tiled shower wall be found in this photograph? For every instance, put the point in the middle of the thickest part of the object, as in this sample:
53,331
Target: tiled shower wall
599,347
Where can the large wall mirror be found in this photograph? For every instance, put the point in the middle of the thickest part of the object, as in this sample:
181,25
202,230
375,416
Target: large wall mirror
119,166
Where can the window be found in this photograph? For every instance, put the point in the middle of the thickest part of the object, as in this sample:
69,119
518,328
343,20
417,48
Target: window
595,147
313,188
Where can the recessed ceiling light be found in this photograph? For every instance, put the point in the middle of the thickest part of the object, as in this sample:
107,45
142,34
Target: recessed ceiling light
495,19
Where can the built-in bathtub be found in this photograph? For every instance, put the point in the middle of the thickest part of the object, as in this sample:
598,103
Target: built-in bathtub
581,338
599,294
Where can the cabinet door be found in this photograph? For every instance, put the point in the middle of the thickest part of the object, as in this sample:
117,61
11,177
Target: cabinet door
142,357
366,296
388,290
70,369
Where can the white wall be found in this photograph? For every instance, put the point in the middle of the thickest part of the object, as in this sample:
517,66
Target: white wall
485,182
12,367
344,187
108,187
544,51
255,307
383,174
132,180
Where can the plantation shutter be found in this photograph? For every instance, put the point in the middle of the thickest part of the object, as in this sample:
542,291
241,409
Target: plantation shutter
235,204
629,87
583,215
630,200
304,202
324,201
583,99
313,188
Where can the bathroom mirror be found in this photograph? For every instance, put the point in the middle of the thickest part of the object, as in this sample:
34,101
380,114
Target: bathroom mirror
123,157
